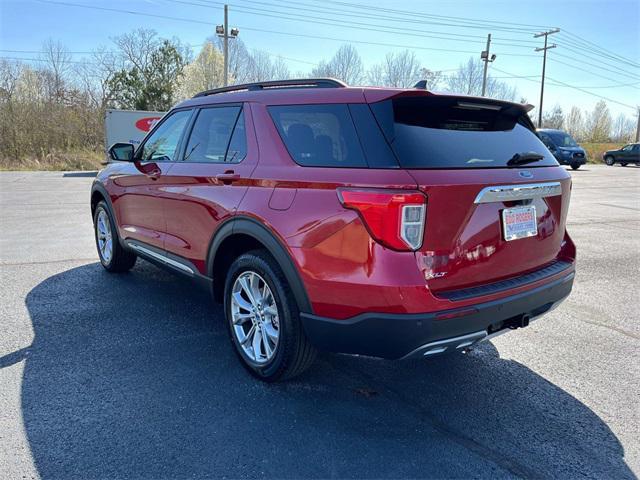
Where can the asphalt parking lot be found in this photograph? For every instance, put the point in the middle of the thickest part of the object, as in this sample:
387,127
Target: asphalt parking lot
133,375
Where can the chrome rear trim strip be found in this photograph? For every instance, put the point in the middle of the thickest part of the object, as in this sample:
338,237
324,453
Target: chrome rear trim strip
162,258
510,193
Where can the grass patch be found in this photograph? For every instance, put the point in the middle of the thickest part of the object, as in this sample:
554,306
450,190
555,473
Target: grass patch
58,161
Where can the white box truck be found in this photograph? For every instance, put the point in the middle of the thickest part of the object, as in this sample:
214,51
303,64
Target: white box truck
128,126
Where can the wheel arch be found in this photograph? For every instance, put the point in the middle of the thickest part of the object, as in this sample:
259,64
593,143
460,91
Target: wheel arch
98,193
241,234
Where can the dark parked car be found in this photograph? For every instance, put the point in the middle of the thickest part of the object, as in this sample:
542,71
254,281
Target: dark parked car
383,222
624,156
564,147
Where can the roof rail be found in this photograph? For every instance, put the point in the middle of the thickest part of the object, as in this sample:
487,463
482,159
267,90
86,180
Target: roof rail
300,83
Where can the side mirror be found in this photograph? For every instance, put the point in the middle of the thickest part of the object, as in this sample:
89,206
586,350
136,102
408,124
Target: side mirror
122,152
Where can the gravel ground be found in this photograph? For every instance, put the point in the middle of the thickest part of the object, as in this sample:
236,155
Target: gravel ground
133,376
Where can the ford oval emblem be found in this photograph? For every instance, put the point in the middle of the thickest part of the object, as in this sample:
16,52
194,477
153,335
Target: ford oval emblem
525,174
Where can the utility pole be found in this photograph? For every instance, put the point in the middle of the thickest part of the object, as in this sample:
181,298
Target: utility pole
484,56
638,127
544,66
223,32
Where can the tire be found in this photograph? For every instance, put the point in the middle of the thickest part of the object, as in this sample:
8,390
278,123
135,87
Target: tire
624,164
575,166
609,160
276,314
114,259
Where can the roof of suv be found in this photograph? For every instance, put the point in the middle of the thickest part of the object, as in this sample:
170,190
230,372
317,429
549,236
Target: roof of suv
310,91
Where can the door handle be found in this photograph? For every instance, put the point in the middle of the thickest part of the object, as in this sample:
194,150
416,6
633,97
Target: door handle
228,177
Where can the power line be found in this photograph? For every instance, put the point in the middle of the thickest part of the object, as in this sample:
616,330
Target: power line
562,84
601,64
343,13
581,69
581,51
486,24
480,23
275,32
378,28
593,45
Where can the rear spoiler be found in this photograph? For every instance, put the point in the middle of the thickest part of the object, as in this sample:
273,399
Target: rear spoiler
470,102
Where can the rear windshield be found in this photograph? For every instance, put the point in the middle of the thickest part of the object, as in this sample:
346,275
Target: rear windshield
450,132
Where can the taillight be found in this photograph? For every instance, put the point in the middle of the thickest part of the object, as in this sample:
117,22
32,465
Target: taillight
394,218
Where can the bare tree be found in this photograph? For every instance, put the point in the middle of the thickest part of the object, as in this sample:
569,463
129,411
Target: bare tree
599,123
623,129
468,80
574,123
345,65
261,67
401,69
137,47
375,75
57,64
432,78
9,75
239,59
554,118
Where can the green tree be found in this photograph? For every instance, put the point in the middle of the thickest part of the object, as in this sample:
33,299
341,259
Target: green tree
152,86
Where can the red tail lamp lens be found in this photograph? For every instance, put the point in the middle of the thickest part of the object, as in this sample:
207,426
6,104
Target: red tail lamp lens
394,218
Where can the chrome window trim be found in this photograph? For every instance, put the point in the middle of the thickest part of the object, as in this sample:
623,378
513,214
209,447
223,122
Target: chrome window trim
509,193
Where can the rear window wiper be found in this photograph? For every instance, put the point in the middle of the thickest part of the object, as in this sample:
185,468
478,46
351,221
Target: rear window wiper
526,157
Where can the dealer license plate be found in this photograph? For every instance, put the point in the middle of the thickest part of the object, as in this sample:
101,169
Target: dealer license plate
519,222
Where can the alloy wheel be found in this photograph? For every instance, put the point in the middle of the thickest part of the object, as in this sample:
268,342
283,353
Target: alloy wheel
254,316
103,233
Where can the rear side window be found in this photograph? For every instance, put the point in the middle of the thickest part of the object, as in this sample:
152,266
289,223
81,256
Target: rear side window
319,135
452,132
217,136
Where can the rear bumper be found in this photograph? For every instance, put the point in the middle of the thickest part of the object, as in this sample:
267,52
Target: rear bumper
396,336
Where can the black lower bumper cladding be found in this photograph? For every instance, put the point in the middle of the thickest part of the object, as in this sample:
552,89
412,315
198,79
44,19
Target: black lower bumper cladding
395,336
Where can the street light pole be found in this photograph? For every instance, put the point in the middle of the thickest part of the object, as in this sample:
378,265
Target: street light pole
544,66
226,45
484,56
223,32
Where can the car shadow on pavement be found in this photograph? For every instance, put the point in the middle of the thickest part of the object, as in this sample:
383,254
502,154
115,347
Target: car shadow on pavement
133,376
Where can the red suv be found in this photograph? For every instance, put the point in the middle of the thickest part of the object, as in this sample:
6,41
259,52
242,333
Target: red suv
396,223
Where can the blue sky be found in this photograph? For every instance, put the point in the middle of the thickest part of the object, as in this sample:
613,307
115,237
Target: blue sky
612,25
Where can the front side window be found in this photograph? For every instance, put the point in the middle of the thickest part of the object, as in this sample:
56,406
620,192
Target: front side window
627,148
319,135
161,146
218,136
